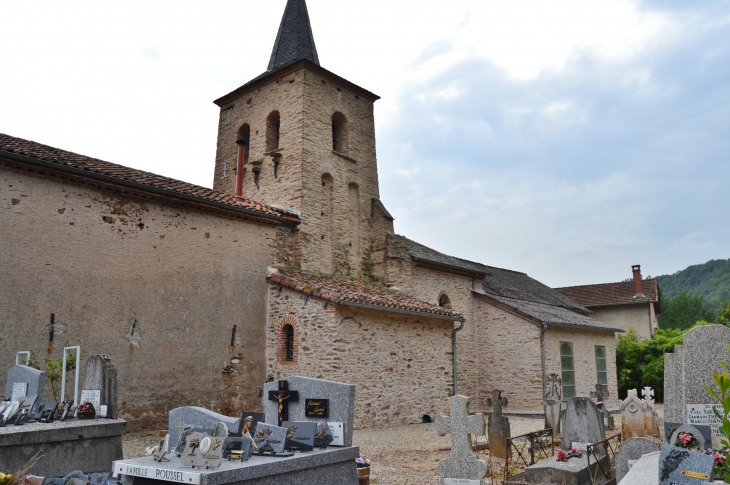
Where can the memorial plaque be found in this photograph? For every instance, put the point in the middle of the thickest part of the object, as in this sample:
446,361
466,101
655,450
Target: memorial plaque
154,473
92,396
269,438
47,414
679,466
249,420
703,414
300,435
238,449
317,408
338,434
579,446
20,389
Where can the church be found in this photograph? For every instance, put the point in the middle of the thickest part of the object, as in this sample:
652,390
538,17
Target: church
289,265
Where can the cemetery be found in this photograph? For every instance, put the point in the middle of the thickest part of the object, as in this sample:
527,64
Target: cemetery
304,433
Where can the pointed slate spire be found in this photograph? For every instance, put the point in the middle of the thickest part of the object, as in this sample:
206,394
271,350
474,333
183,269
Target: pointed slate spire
294,40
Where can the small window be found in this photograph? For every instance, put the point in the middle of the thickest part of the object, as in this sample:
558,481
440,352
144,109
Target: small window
568,370
273,123
339,133
289,342
444,301
601,369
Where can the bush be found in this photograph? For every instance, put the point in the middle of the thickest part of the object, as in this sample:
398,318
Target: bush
682,311
640,362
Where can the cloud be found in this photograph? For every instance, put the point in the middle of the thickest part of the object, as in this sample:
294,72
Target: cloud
584,170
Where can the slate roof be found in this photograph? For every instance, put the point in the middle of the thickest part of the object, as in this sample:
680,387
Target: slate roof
552,315
614,293
295,40
497,281
88,166
354,293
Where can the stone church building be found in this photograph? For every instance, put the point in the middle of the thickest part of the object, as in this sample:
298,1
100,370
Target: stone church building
289,266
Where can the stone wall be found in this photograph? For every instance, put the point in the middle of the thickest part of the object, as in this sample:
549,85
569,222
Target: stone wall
336,230
639,316
400,364
157,286
584,359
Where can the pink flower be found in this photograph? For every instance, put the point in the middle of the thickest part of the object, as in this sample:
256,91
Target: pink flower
685,438
562,456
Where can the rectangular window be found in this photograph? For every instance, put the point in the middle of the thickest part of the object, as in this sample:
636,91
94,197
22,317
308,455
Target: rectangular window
568,370
601,369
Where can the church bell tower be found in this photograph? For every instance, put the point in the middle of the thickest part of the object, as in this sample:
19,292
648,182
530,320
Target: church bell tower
306,140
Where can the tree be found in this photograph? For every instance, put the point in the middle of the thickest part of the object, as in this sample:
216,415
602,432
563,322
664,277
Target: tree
683,311
724,317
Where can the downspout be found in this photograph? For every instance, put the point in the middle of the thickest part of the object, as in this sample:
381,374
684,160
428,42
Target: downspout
543,329
453,343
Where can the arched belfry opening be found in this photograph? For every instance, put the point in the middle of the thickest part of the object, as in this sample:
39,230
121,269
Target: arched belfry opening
339,133
444,301
273,124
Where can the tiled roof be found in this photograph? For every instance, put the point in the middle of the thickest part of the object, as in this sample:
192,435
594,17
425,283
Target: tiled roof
497,281
89,165
553,315
295,40
613,293
344,292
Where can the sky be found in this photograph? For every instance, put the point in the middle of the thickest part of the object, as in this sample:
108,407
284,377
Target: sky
567,139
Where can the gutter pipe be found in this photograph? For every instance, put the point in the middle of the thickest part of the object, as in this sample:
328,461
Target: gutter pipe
453,343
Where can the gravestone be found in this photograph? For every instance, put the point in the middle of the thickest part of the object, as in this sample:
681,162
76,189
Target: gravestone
23,376
462,463
600,395
341,403
583,423
689,369
702,443
553,398
198,417
681,466
638,418
498,426
102,376
632,450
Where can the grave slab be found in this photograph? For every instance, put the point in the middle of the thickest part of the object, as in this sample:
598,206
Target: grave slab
633,449
199,417
341,402
575,471
334,466
644,472
89,445
35,379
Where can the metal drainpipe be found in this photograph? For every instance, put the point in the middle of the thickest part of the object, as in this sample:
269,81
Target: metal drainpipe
240,169
453,342
543,329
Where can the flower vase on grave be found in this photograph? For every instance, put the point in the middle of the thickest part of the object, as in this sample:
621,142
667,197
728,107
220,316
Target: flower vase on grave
363,476
86,411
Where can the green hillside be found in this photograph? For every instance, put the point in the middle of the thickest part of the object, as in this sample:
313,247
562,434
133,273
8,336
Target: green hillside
711,280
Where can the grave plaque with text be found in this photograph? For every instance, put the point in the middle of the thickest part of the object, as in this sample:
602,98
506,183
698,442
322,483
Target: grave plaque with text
20,389
93,397
703,414
317,408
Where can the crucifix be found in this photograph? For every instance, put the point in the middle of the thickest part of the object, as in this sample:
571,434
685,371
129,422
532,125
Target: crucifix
496,401
461,460
599,395
284,396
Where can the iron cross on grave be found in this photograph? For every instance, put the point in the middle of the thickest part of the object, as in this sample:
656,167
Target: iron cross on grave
461,462
284,396
648,394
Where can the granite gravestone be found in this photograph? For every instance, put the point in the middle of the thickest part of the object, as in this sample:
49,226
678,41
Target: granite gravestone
498,426
341,399
678,466
689,368
553,398
583,423
102,376
33,379
632,450
702,443
462,463
193,416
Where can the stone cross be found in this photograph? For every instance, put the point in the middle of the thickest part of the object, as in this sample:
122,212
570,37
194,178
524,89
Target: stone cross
648,394
599,395
554,384
284,396
462,463
498,426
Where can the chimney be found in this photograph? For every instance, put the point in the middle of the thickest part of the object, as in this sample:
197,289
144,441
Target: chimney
638,289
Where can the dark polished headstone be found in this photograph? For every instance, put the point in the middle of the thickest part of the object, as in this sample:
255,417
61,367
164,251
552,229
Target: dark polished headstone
679,466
